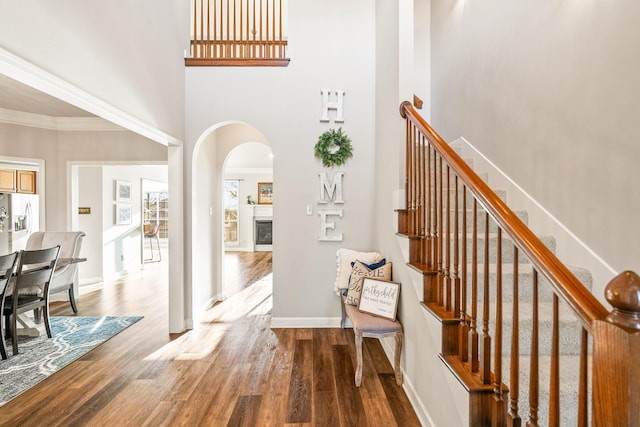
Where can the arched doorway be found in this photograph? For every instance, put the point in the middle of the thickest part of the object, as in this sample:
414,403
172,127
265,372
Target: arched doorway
210,155
248,215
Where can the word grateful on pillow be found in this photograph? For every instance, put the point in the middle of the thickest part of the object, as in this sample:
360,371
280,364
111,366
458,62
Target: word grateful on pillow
344,258
358,273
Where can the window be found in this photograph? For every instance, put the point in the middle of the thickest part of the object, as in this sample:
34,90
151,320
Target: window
156,211
231,191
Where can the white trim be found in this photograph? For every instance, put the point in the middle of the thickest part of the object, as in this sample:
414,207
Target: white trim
31,75
389,347
20,118
305,322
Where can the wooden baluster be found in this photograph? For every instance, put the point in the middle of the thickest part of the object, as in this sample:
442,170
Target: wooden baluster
486,338
282,53
447,245
228,49
554,387
473,332
241,45
533,369
215,53
273,26
423,172
429,211
498,401
407,173
464,324
514,419
201,20
208,52
414,184
439,237
583,392
234,51
267,30
254,53
456,254
261,53
247,46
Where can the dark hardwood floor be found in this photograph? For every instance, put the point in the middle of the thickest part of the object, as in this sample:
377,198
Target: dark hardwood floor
232,370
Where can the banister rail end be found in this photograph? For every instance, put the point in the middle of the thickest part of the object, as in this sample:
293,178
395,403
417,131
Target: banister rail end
403,107
623,293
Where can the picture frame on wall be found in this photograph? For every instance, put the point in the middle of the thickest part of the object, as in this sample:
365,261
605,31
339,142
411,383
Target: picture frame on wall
379,298
265,193
123,214
123,191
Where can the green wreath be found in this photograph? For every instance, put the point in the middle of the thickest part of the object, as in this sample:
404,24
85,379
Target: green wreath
333,148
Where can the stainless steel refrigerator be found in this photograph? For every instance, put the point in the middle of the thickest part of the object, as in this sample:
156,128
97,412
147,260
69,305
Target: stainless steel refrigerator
19,217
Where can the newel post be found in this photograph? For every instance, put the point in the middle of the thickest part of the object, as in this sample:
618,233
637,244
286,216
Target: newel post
616,349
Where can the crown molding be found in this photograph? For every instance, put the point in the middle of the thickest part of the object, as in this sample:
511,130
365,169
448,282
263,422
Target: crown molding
21,118
31,75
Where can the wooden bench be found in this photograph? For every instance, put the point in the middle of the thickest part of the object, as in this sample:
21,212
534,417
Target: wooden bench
366,325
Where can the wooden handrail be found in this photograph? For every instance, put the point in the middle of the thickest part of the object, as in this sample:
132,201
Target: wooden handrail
435,174
565,284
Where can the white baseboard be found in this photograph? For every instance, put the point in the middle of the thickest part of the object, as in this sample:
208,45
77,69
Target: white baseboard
389,347
305,322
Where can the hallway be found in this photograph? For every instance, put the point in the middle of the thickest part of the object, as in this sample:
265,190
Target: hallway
232,370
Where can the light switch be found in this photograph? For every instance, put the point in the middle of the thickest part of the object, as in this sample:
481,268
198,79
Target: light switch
309,210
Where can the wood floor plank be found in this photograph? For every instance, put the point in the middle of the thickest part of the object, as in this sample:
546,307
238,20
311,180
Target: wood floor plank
323,375
300,385
233,369
325,409
350,404
245,412
398,402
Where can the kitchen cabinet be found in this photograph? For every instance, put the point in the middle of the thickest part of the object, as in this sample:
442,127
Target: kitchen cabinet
7,180
26,182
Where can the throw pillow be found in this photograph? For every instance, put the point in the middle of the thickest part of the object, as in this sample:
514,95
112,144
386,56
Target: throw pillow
344,258
359,272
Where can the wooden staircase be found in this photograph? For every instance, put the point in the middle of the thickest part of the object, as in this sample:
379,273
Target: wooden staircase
516,322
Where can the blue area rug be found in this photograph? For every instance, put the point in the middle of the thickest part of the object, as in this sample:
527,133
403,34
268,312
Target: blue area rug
40,357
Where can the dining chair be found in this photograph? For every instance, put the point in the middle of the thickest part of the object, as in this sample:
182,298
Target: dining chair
151,232
7,266
30,290
65,278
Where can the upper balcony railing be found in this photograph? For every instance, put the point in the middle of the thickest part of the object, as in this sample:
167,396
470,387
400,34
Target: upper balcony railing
238,33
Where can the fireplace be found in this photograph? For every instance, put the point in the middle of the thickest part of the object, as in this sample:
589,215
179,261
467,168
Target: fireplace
264,234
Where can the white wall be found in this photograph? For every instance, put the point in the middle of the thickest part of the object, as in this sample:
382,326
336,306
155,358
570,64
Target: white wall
89,186
330,47
549,92
122,244
130,56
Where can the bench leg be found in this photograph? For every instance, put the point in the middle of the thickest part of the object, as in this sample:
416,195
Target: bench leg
359,359
396,362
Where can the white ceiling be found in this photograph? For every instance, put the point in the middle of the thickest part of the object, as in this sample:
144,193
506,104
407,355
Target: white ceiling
20,97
